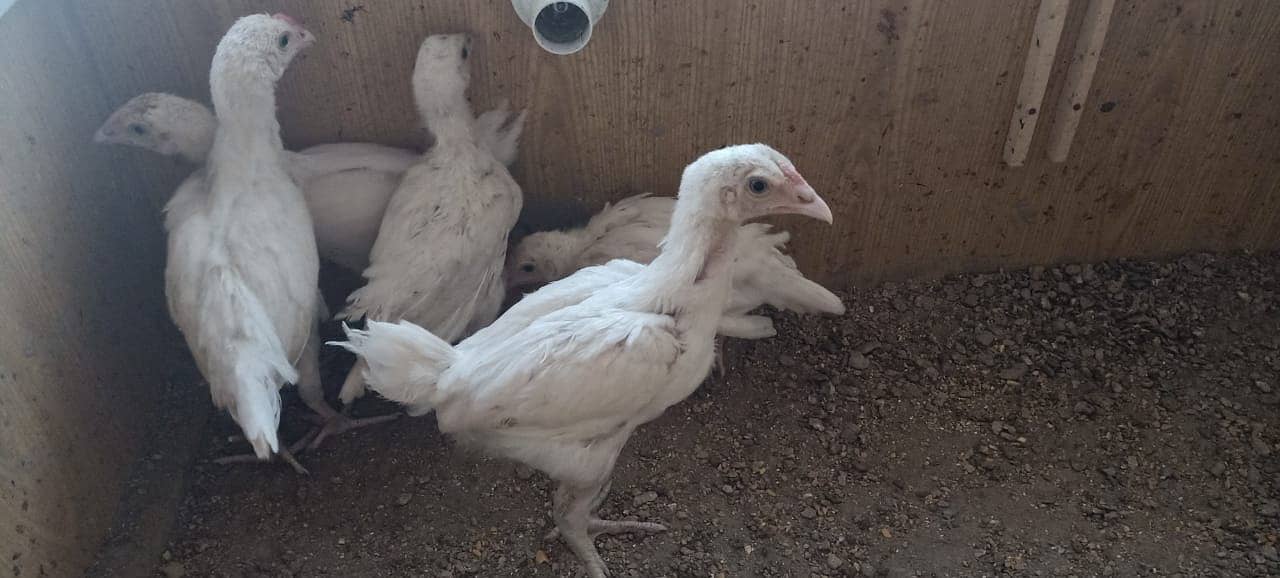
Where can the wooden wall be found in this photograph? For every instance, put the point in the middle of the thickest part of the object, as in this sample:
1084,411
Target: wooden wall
894,109
80,287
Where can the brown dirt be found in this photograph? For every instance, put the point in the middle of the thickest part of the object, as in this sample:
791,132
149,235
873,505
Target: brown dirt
1116,420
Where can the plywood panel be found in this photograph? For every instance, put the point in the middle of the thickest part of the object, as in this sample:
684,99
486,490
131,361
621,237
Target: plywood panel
896,109
80,291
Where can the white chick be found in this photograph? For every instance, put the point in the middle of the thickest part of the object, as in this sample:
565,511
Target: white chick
347,185
242,261
439,255
632,228
561,380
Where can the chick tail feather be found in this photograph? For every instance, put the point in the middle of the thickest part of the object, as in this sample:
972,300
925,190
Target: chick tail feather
793,291
250,366
258,402
404,362
798,294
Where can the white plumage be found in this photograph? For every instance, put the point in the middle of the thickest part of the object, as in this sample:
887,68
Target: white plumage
242,261
346,185
440,250
561,380
632,228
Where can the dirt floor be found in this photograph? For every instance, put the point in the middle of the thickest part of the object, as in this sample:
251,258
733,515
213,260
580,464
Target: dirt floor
1119,419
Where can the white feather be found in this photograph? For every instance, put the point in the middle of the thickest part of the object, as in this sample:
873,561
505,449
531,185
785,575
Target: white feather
438,258
242,264
632,229
561,380
346,185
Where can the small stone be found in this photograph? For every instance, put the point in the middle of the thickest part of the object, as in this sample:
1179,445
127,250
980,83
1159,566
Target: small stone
404,499
644,498
809,513
985,338
868,569
1269,509
859,361
524,472
1269,552
868,347
173,570
1014,373
1262,386
1218,469
728,489
835,562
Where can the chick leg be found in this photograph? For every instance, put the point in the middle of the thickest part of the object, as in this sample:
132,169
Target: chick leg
597,526
330,422
718,366
571,508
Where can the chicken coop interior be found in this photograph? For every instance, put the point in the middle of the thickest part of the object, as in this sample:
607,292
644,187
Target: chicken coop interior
1053,234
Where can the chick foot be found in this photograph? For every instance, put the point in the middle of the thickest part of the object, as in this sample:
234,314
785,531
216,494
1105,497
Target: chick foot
597,526
338,423
286,455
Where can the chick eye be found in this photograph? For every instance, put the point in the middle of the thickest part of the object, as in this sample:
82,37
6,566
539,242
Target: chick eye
284,40
465,52
757,185
527,267
136,128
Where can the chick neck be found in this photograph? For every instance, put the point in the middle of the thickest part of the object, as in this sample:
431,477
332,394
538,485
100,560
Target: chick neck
244,102
194,139
447,114
698,248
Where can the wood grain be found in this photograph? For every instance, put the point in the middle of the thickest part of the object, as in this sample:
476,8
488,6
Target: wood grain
895,109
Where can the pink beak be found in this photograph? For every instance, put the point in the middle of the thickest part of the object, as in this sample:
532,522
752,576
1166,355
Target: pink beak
804,201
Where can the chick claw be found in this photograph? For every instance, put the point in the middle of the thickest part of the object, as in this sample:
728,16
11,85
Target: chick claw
286,455
339,423
597,526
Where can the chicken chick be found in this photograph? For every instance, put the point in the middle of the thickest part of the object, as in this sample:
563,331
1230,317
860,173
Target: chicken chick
563,378
440,250
632,228
346,185
242,263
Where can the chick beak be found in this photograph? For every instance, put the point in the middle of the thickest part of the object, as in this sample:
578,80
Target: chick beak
104,135
804,201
